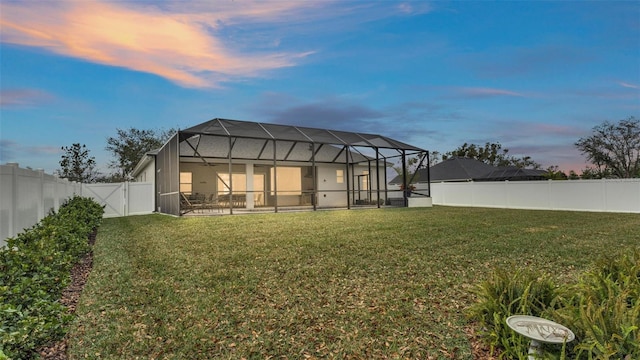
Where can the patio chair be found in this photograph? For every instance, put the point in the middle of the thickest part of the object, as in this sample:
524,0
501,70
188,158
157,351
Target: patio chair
211,202
185,205
223,200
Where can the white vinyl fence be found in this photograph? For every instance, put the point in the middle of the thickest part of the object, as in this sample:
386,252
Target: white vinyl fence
609,195
27,196
122,199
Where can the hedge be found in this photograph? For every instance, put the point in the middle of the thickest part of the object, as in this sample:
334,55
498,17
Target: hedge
35,267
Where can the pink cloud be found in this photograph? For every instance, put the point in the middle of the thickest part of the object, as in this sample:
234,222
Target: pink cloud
551,129
21,98
182,47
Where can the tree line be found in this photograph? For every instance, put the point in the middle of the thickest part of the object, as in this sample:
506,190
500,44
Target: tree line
126,148
612,150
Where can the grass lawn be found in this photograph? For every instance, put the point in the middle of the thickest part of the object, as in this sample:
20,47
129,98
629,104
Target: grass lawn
360,284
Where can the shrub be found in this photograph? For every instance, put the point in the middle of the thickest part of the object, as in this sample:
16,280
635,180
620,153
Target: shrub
602,309
511,292
34,269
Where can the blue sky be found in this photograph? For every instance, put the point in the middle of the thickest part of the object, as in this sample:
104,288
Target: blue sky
534,76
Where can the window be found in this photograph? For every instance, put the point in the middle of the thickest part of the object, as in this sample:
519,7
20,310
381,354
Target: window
239,183
340,176
289,181
186,183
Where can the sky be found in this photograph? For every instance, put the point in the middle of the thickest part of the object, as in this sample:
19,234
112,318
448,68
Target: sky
533,76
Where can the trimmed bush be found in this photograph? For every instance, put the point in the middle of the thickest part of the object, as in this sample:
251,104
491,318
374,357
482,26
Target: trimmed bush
34,270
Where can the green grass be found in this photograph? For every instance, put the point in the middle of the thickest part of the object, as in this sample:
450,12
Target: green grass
381,283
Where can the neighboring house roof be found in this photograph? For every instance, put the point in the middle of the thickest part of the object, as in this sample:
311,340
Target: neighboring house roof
513,173
467,169
457,169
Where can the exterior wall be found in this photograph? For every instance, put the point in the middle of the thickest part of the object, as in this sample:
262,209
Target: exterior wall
615,195
27,196
204,178
333,194
330,192
167,179
148,173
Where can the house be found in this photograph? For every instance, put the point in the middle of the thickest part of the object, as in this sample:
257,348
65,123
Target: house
458,169
246,166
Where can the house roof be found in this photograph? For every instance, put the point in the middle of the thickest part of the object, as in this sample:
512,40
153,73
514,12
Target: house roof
458,169
513,173
256,141
256,130
467,169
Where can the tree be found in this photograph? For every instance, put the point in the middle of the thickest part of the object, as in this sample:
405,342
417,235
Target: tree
129,146
573,175
413,164
554,173
614,148
590,173
77,165
492,154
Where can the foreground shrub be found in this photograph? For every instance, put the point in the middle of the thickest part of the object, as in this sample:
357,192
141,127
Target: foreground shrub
34,269
602,309
509,292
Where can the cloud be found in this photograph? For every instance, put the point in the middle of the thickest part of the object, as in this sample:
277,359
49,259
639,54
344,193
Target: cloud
404,122
185,47
9,150
328,115
23,98
482,92
519,61
194,44
414,8
191,43
628,85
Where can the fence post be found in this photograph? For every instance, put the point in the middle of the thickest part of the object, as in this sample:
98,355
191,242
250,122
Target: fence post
14,199
604,194
125,203
41,188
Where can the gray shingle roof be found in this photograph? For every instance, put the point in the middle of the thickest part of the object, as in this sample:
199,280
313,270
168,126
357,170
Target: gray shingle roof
466,169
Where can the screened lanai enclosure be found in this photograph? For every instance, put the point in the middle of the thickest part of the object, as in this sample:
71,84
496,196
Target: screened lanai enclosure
230,165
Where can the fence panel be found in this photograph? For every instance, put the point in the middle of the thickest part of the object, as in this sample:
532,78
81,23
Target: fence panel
27,196
122,199
615,195
141,198
111,196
